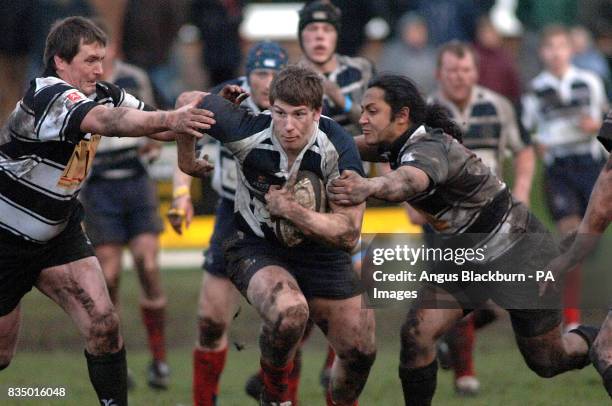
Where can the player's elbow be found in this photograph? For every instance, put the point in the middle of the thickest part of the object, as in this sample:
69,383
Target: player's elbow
189,167
348,239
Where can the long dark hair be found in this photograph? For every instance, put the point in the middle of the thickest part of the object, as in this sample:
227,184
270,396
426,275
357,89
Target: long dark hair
401,91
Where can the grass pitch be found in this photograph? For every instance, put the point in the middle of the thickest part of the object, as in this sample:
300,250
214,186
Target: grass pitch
50,354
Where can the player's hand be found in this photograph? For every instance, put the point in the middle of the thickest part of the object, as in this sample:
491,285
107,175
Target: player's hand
189,119
332,90
199,168
180,212
280,199
233,93
349,189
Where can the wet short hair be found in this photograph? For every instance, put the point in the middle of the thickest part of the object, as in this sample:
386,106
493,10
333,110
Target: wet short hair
65,36
297,86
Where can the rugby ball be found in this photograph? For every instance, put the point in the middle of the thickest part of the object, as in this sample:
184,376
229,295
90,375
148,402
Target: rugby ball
309,192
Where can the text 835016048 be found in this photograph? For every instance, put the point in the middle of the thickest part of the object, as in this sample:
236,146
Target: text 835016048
35,392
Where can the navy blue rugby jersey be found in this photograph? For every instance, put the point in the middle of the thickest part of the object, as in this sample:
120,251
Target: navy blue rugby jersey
262,162
45,157
225,176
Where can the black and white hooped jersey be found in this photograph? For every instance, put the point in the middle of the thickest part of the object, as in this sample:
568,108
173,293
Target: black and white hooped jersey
118,157
45,157
262,161
225,176
489,124
554,106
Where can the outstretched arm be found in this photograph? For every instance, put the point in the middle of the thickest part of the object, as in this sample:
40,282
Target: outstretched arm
129,122
597,217
187,161
395,186
595,221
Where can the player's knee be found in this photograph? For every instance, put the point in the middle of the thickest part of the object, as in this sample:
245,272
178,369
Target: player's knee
292,321
104,332
413,342
146,264
287,329
601,352
542,368
359,359
210,331
544,371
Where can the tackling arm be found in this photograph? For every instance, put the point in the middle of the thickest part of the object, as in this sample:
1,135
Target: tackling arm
341,228
129,122
596,219
396,186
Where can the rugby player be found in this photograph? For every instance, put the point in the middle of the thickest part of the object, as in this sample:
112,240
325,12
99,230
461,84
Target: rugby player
459,196
314,279
564,108
218,296
345,79
121,209
490,129
596,219
46,150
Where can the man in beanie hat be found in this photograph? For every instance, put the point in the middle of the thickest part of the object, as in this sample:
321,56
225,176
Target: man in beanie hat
218,297
345,78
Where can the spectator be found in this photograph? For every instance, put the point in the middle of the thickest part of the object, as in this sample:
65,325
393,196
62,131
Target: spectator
449,19
15,44
410,53
150,28
586,56
496,68
218,21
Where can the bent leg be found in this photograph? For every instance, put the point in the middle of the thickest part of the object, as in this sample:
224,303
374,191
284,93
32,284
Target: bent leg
546,350
144,249
275,294
79,288
601,353
216,308
419,334
350,329
109,256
